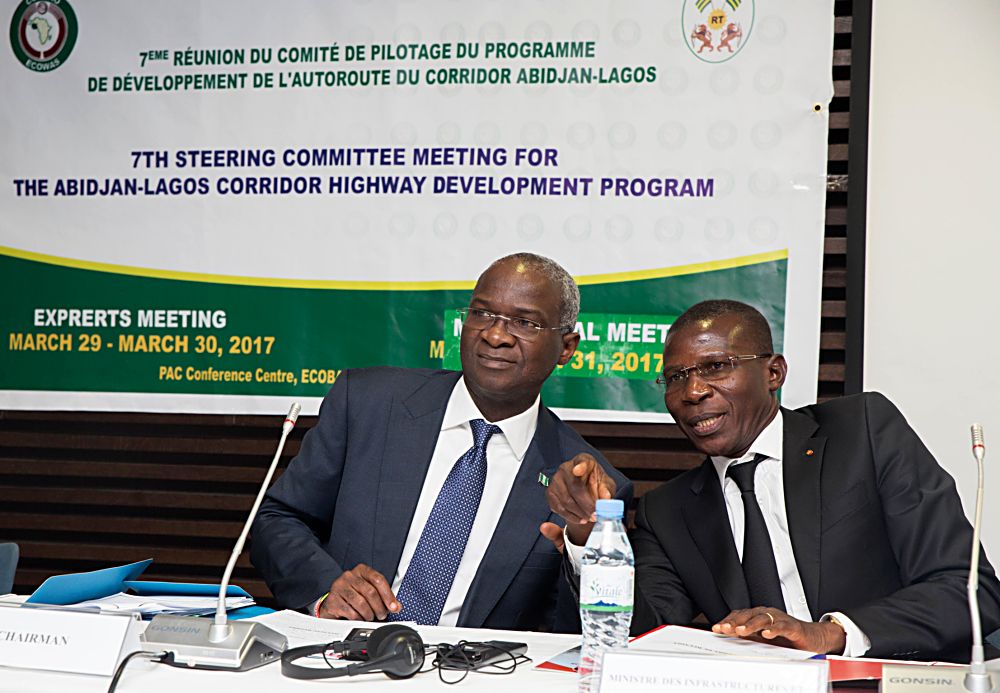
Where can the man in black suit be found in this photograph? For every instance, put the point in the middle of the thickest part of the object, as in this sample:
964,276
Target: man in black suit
829,528
376,519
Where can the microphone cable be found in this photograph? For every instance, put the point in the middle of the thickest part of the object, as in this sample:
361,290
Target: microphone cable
153,656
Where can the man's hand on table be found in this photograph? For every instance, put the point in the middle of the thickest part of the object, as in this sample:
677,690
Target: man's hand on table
778,628
359,594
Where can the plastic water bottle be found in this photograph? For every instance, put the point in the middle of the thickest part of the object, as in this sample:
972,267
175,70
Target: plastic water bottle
607,573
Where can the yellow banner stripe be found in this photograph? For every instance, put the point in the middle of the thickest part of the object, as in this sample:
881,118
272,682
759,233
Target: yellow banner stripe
696,268
466,285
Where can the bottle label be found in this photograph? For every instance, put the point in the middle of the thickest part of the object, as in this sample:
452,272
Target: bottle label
607,588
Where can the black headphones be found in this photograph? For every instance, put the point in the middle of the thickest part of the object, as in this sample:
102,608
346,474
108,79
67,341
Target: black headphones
395,650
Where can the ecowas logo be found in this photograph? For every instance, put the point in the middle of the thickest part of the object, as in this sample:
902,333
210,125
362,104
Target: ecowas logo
43,34
719,28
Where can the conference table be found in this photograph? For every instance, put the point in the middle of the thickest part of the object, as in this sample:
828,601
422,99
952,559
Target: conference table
143,676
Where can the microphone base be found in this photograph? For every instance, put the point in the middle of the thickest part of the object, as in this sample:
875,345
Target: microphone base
978,683
186,641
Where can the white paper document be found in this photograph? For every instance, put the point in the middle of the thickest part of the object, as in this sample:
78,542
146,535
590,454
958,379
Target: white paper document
305,630
682,640
161,604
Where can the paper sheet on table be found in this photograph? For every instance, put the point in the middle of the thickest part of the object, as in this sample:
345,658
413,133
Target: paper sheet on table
568,661
682,640
304,630
161,604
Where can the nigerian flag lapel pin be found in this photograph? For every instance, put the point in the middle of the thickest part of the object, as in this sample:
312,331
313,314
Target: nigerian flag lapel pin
542,479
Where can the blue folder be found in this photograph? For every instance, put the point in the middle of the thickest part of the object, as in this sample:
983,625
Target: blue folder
186,589
81,587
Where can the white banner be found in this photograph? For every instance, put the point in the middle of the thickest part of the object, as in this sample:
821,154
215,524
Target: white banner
219,207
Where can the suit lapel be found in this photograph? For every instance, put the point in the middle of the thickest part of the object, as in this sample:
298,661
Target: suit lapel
708,523
414,426
801,471
517,530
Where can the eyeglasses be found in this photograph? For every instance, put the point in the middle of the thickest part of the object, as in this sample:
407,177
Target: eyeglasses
522,328
711,370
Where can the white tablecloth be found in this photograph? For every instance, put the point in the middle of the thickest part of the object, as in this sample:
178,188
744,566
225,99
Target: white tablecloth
142,676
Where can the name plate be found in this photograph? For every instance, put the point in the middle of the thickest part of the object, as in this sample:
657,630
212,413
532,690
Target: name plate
628,671
53,639
902,678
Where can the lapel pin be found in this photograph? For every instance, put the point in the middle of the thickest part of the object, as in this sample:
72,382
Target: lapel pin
809,452
542,479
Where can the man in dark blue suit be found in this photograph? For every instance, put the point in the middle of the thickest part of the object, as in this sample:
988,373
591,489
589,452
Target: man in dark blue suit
376,519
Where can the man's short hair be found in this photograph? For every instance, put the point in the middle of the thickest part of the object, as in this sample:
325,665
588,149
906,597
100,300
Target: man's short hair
758,331
569,293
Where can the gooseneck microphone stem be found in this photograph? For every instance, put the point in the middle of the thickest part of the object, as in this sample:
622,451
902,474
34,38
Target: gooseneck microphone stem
220,630
977,680
200,643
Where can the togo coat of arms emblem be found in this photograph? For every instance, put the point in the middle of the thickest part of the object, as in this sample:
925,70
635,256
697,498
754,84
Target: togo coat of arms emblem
716,30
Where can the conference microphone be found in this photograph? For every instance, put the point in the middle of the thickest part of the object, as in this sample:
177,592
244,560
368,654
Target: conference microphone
977,680
202,644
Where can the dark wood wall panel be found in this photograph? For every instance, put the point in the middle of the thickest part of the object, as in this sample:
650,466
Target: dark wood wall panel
82,490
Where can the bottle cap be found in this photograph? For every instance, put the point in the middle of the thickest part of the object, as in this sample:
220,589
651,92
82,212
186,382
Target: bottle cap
613,509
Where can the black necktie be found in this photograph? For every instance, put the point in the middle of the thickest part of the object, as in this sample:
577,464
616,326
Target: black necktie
759,567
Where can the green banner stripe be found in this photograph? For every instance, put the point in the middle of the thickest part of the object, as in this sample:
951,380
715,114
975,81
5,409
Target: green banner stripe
254,340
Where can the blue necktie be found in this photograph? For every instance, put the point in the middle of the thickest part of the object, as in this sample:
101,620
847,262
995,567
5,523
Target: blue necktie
432,569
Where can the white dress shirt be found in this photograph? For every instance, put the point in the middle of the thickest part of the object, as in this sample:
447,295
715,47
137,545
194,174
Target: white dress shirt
504,454
769,488
770,491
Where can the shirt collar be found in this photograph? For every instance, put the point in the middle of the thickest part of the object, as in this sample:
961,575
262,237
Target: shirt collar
769,443
518,429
